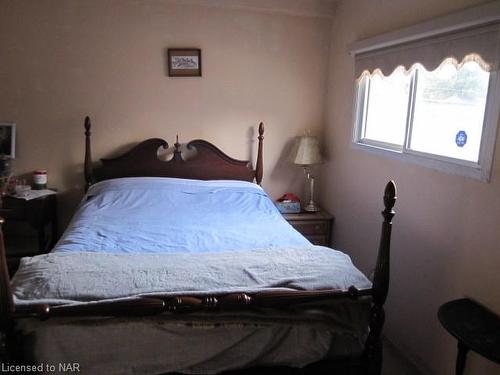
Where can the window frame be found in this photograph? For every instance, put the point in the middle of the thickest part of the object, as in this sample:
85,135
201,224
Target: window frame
480,170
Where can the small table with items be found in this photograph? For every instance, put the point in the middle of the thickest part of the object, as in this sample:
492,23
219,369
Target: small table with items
475,328
315,226
30,227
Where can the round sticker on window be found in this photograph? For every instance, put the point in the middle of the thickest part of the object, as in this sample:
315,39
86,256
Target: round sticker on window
461,138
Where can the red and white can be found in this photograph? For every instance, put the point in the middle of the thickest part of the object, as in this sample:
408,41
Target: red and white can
40,179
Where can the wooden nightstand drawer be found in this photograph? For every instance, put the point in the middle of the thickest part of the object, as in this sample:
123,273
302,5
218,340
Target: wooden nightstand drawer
318,240
311,228
315,226
17,213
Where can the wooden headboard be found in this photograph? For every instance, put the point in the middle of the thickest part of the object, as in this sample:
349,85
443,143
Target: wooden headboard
209,162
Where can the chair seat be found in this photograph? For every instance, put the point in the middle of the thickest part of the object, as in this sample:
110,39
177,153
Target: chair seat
472,325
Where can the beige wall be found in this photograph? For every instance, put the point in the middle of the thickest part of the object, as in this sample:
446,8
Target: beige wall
447,228
62,60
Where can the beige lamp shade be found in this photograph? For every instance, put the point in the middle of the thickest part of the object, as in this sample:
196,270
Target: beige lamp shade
306,151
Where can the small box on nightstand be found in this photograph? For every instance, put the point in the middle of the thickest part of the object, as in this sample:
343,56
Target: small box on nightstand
288,207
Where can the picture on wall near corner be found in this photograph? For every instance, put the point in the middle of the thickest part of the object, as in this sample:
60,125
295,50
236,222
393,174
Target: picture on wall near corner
8,139
184,62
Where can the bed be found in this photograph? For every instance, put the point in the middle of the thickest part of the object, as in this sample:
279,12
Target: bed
186,266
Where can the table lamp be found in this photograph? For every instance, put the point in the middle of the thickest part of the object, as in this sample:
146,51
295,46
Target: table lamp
305,153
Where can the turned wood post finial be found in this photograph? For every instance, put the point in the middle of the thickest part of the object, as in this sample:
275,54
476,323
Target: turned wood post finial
177,148
390,196
88,170
259,170
87,126
177,144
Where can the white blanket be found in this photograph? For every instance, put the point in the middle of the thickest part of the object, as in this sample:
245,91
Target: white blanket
85,277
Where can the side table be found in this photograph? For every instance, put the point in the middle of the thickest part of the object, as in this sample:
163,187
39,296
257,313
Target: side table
475,328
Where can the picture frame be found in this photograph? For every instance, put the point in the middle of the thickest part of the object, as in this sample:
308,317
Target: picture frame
8,139
184,62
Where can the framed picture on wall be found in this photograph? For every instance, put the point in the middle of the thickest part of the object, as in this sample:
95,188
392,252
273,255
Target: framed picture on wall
8,139
184,62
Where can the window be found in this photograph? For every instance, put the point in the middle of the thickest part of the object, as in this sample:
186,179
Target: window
439,112
415,102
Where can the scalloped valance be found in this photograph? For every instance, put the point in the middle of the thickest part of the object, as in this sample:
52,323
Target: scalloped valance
449,60
482,42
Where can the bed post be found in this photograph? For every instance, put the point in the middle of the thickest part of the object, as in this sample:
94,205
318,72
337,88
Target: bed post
88,170
259,170
7,308
6,300
380,288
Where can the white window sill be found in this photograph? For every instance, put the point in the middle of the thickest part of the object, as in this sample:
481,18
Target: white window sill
443,164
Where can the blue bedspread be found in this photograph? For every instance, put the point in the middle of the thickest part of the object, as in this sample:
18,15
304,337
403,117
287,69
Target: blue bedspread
157,215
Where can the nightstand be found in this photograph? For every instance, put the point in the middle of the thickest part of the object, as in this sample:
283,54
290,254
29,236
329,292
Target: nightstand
30,227
315,226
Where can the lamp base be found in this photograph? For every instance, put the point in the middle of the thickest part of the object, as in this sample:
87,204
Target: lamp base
311,207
